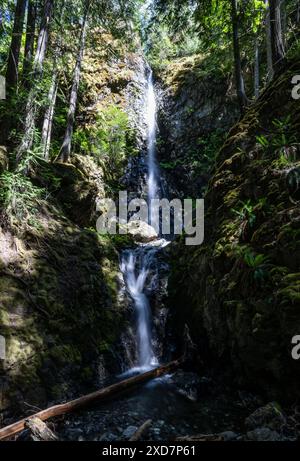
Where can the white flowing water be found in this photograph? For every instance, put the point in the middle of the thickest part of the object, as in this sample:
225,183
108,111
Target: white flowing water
136,264
151,109
135,267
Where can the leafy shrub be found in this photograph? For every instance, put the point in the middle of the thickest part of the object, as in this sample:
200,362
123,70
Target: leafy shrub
246,212
19,200
257,263
110,139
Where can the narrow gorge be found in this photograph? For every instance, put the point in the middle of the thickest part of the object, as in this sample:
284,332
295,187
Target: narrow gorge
122,108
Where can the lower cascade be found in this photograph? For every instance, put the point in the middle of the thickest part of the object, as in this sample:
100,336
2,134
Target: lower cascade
136,265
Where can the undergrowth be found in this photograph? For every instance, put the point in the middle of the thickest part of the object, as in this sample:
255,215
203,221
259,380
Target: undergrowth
20,200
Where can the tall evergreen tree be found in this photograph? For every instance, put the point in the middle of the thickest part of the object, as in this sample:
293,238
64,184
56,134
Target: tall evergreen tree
277,41
65,151
12,72
240,86
31,105
30,36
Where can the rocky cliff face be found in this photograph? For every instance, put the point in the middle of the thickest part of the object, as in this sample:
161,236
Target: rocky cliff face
197,108
239,292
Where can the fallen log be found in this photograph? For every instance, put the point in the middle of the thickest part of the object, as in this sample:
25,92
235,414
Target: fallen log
100,395
141,431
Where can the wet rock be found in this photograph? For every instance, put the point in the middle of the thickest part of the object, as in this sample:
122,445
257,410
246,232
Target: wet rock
142,232
293,184
129,432
229,436
270,416
263,434
187,384
108,437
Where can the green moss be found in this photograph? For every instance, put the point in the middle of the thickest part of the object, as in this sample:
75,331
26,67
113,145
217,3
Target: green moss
291,292
86,373
232,197
240,294
65,354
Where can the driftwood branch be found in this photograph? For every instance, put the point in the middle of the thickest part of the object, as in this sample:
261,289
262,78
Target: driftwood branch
141,431
81,402
39,431
201,438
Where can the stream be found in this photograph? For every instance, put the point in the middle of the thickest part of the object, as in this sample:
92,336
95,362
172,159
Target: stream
179,404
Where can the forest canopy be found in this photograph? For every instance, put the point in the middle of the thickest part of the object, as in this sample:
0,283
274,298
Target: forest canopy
42,47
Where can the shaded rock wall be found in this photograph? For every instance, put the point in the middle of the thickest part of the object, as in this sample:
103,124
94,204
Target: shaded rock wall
197,108
239,292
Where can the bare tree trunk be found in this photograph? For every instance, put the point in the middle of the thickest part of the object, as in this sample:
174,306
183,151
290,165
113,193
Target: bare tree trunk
49,114
240,86
256,69
283,22
15,47
277,42
269,43
43,38
31,106
65,150
29,43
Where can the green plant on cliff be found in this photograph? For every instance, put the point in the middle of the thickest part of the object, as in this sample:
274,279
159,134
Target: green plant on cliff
19,199
210,146
282,139
110,139
246,212
285,134
257,263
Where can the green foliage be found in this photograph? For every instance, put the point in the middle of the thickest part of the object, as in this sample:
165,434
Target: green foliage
209,148
263,141
282,140
171,165
246,212
110,139
164,48
258,263
19,200
6,13
284,135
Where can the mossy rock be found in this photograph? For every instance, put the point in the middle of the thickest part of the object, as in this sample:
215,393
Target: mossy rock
232,316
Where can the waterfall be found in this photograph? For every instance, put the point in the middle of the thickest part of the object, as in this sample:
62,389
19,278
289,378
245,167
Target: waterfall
136,265
151,142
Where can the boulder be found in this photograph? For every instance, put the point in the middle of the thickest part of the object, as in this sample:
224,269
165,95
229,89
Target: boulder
129,432
263,434
141,231
268,416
